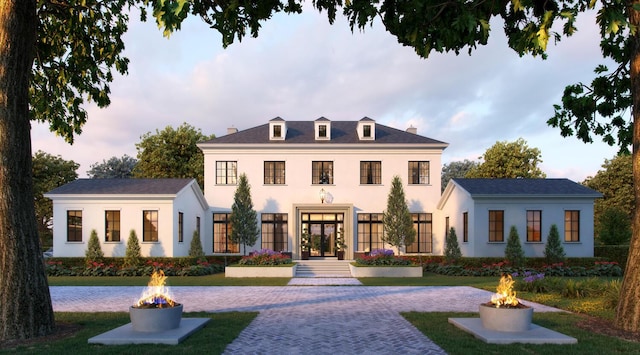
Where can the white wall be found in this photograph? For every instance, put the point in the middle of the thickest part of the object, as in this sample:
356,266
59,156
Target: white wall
346,187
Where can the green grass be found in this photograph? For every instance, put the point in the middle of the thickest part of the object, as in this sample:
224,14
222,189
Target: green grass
207,280
212,339
455,341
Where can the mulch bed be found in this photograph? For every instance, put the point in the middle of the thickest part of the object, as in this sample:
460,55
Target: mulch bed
63,330
605,327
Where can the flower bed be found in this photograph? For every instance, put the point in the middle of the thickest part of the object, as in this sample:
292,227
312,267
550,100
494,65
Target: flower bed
383,263
262,263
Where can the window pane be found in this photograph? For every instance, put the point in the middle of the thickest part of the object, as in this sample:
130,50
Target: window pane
534,222
496,226
423,227
419,172
370,172
275,231
370,230
74,226
221,234
226,172
322,172
112,226
150,226
180,227
572,226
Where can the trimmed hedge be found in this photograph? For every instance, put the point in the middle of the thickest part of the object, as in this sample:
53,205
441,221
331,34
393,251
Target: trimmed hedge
617,253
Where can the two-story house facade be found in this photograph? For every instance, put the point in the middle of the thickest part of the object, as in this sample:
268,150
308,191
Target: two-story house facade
323,178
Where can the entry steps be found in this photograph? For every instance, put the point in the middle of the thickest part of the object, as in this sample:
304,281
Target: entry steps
323,268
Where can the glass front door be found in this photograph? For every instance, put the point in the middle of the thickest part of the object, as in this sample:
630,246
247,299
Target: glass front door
322,229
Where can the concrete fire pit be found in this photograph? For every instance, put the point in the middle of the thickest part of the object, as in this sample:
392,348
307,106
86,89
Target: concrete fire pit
155,319
505,319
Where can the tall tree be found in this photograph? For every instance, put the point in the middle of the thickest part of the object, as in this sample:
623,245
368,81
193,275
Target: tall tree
396,219
615,183
456,169
244,219
171,153
114,168
49,172
509,160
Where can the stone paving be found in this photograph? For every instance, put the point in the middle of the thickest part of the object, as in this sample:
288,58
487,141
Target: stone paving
304,319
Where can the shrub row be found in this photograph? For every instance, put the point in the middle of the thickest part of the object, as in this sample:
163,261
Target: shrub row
266,257
115,266
597,268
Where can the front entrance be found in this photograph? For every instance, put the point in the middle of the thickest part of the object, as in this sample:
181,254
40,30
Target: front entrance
323,228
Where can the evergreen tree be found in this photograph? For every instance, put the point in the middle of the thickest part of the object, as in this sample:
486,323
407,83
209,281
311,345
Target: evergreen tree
451,247
553,251
94,251
398,225
613,227
195,249
244,219
513,251
133,256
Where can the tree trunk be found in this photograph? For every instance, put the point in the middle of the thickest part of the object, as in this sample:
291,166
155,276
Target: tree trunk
25,303
628,310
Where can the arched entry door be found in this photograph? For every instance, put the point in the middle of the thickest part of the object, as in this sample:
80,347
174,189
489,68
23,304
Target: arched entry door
323,228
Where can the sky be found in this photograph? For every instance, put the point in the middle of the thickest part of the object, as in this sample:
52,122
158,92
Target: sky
301,68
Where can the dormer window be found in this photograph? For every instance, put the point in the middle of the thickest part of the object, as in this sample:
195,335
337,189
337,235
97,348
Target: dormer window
366,129
323,129
277,129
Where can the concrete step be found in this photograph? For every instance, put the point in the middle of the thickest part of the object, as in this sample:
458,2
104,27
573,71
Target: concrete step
323,268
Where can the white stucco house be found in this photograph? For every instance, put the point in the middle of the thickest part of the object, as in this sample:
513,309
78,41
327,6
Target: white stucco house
324,177
164,213
482,212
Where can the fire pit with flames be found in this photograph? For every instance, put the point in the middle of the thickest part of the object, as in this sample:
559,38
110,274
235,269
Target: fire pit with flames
504,312
155,310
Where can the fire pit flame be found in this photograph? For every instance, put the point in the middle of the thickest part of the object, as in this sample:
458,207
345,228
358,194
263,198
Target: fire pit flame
505,295
157,294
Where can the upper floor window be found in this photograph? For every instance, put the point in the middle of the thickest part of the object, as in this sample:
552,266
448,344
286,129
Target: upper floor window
274,173
366,131
419,172
571,226
370,172
149,226
112,226
277,131
534,221
322,131
496,226
74,226
226,172
322,172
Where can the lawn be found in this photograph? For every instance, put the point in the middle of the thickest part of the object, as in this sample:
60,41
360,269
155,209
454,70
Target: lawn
226,326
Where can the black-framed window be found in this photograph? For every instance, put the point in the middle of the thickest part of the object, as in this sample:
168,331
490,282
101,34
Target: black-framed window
198,225
275,231
370,172
534,226
277,131
370,231
74,226
226,172
274,173
222,234
180,227
419,173
422,224
571,226
149,226
322,172
111,226
465,227
496,226
322,130
366,131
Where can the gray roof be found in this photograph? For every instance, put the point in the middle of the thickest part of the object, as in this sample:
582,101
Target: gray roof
519,187
342,132
122,187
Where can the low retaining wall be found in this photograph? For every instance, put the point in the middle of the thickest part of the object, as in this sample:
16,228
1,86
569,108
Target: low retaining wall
260,271
385,271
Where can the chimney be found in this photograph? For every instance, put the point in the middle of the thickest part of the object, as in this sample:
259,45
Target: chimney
232,130
412,130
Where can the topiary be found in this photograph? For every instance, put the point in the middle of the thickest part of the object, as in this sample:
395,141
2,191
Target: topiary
451,247
553,250
133,256
513,251
94,251
195,250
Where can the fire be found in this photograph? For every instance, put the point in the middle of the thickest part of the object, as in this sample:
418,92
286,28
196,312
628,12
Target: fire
157,293
505,296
